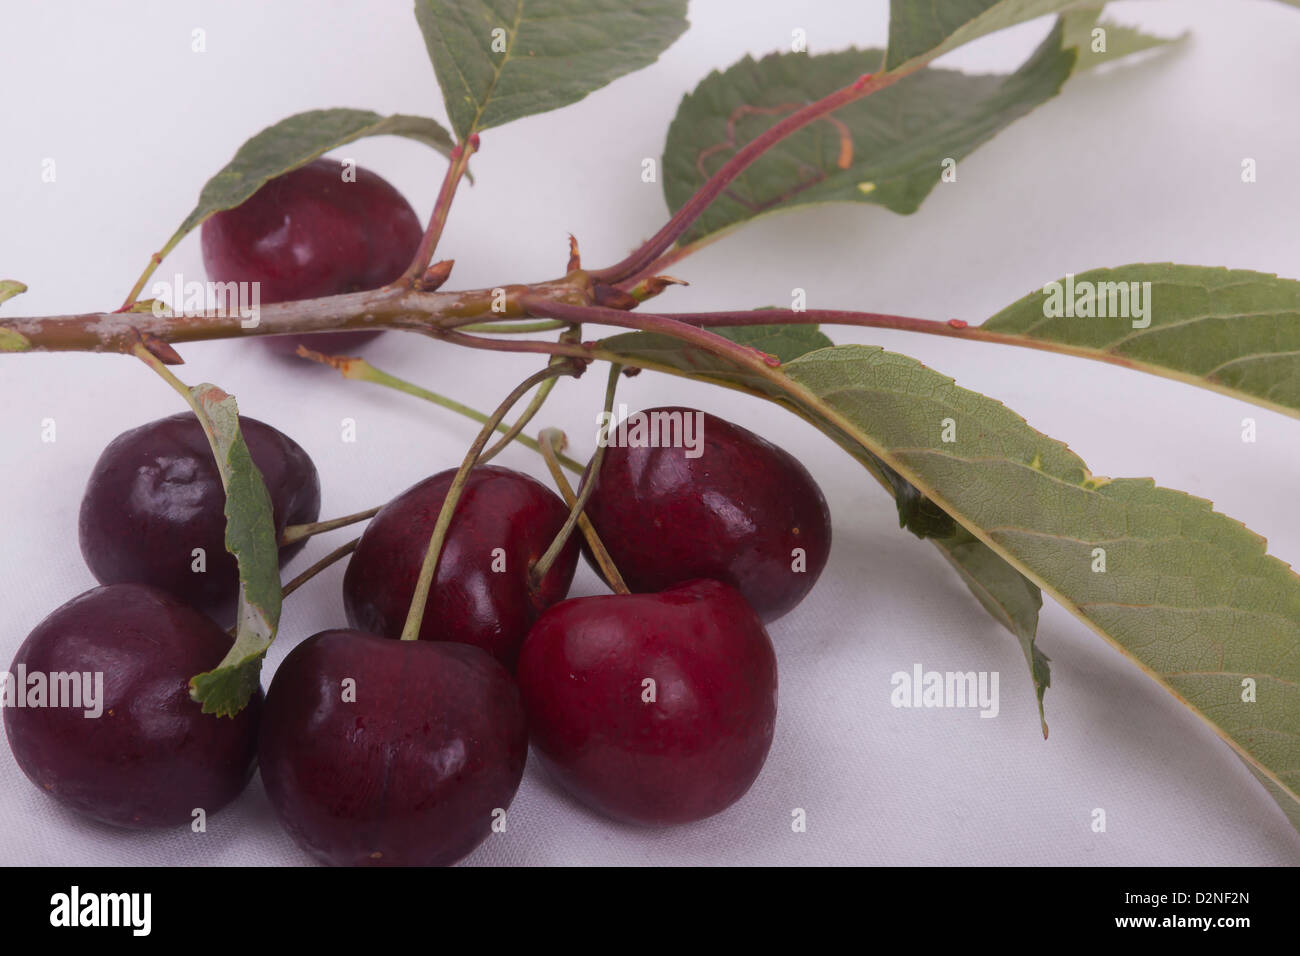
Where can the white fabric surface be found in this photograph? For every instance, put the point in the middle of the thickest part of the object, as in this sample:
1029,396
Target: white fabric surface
1140,164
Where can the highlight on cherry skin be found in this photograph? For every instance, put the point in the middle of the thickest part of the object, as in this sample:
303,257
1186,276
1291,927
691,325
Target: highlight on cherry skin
391,753
154,509
652,708
481,595
322,229
721,502
114,734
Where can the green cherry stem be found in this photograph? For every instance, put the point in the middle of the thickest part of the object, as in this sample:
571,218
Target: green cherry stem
576,506
513,432
551,439
514,328
296,532
415,616
340,552
360,370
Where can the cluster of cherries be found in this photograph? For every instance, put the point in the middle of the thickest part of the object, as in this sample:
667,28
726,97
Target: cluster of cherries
652,707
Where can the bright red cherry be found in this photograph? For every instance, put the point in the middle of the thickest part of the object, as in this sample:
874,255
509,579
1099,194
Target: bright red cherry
504,522
721,503
313,233
652,708
390,753
155,497
126,744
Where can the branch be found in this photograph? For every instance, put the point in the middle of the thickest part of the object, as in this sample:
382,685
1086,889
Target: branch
391,307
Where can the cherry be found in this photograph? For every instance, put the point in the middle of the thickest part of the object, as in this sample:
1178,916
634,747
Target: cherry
144,755
155,495
390,753
733,507
652,708
504,522
310,233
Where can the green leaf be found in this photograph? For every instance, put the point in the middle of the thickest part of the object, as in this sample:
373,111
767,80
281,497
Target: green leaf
786,342
297,140
1189,594
1004,591
500,60
1120,41
920,30
1230,330
250,537
888,149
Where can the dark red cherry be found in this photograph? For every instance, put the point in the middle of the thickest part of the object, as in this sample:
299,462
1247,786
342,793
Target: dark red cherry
142,753
390,753
504,522
652,708
720,503
155,496
311,233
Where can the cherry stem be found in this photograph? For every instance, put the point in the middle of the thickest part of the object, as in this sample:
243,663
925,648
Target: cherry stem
685,217
340,552
524,345
514,328
296,532
513,432
415,615
550,440
543,564
360,370
460,155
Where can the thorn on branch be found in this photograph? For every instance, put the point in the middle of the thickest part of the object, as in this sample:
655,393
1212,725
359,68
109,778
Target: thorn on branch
575,258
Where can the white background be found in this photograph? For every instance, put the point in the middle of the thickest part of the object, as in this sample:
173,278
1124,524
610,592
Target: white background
1139,164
